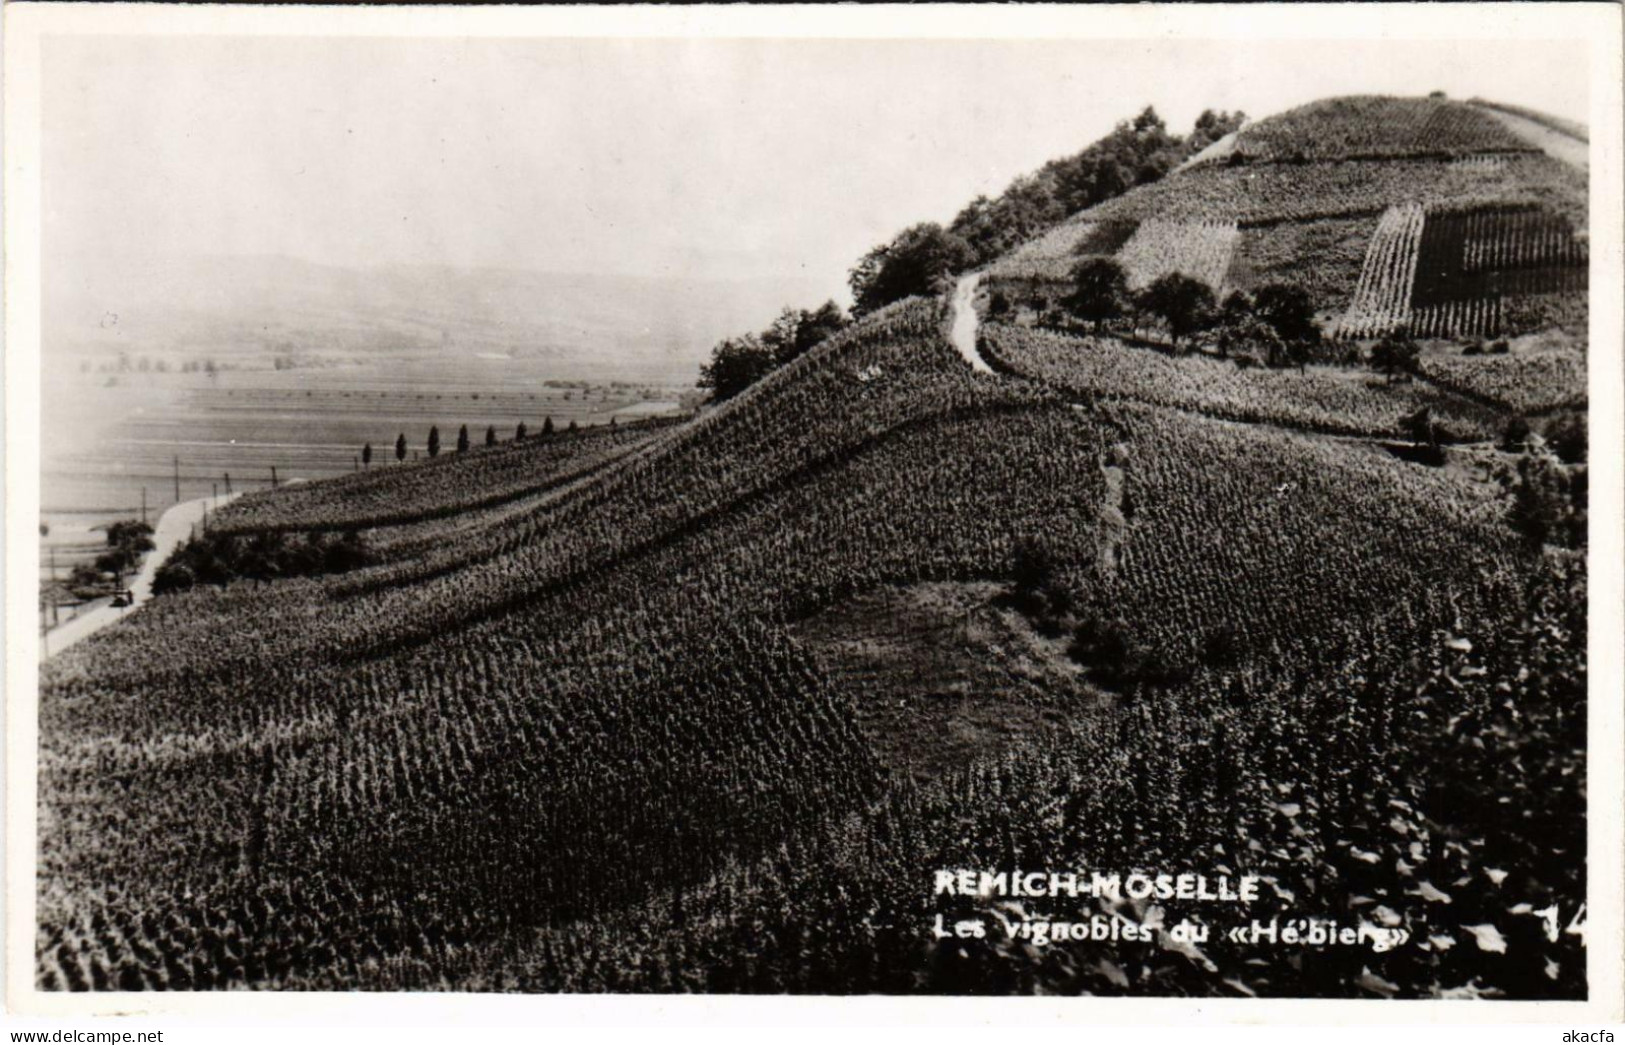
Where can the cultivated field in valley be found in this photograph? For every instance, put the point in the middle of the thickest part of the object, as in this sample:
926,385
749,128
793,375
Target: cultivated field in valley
114,440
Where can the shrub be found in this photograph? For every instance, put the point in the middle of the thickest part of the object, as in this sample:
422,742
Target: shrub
1567,438
1395,354
1289,311
1515,438
219,558
1184,304
1099,291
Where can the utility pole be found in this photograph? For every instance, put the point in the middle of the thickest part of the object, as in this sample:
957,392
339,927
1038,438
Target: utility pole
55,616
177,479
228,484
143,506
44,627
215,491
273,477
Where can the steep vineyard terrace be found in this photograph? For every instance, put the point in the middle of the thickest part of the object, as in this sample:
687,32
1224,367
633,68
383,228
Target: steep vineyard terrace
1304,197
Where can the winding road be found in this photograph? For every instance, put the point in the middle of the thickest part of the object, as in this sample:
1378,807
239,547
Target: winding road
1113,523
963,330
174,527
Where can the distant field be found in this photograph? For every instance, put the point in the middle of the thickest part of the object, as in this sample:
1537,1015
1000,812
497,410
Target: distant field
106,437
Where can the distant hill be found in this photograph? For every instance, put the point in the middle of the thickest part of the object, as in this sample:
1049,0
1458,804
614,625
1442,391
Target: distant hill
581,325
1453,218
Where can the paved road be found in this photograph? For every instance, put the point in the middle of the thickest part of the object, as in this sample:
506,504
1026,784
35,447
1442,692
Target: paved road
174,527
963,331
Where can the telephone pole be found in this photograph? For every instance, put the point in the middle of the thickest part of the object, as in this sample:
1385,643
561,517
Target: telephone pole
44,625
177,479
228,484
273,477
143,506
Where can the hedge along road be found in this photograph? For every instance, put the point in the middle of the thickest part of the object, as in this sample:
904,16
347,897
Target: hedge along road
174,527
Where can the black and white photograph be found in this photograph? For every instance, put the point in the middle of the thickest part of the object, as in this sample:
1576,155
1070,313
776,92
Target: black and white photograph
694,503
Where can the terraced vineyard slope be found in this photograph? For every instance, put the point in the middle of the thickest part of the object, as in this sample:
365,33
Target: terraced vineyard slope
1343,197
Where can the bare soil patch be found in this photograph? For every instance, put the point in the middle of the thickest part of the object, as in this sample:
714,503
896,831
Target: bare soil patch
944,673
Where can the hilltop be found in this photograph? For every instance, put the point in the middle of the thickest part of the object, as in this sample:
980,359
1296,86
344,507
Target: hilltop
704,705
1343,197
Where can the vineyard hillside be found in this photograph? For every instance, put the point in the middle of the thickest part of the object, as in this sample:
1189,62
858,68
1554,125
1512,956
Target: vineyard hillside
704,704
1338,197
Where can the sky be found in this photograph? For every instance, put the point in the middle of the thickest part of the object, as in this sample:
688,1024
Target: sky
713,157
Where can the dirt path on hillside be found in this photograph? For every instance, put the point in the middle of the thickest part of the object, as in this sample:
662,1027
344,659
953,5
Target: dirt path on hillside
963,329
1570,150
1113,523
174,527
